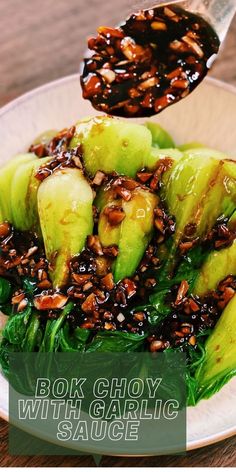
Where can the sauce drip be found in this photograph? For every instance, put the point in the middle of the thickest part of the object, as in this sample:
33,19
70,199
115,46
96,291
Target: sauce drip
153,60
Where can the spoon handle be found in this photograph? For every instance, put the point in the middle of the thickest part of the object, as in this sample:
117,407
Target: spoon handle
219,13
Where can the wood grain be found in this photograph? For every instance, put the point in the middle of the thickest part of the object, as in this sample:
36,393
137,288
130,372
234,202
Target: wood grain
42,40
219,455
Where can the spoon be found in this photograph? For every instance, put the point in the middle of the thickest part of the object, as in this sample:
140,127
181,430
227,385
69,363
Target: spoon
218,13
156,57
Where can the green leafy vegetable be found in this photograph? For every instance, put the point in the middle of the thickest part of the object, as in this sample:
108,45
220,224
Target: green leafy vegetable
116,341
134,232
217,266
16,327
5,349
190,146
197,188
187,269
110,144
73,341
24,188
185,191
66,219
160,137
6,175
33,335
157,154
51,339
5,290
219,363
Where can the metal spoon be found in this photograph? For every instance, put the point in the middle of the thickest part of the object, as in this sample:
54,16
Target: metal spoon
218,13
157,70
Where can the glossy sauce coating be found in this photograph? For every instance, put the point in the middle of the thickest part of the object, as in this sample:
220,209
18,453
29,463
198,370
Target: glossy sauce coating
151,61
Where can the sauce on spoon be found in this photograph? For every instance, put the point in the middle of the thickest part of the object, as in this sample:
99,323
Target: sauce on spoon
153,60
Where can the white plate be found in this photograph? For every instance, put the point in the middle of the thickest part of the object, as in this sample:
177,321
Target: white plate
208,115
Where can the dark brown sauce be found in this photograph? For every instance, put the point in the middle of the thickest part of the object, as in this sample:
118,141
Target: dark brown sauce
151,61
99,303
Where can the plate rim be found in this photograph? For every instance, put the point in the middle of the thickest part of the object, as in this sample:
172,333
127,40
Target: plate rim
70,78
23,98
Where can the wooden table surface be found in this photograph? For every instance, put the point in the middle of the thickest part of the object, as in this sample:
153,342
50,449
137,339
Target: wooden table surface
42,40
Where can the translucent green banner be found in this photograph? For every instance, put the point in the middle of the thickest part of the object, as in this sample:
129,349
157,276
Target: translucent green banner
97,403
